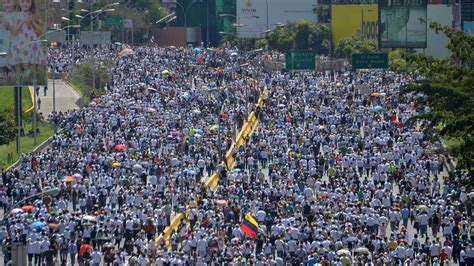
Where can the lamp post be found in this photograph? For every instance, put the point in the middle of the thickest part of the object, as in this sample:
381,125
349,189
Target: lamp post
91,14
35,84
237,18
185,13
387,23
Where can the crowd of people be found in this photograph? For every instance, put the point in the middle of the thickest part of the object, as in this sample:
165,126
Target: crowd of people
333,174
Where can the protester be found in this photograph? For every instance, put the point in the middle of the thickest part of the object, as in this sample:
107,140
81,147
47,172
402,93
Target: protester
332,175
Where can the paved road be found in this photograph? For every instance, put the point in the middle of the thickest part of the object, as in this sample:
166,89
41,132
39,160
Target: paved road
66,98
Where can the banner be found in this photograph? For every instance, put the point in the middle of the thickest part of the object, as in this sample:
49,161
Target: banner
23,44
403,24
352,20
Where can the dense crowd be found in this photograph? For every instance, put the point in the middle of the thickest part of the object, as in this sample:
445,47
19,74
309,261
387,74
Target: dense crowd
333,174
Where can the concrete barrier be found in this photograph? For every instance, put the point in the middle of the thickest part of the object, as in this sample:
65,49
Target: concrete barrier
167,231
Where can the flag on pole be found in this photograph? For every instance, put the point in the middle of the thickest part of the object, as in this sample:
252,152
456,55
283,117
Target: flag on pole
249,225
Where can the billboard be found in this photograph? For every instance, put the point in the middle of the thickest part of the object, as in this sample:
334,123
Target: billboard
468,27
401,24
467,10
255,17
95,37
349,20
436,42
24,56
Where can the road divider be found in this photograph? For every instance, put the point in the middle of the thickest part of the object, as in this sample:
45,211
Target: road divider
229,163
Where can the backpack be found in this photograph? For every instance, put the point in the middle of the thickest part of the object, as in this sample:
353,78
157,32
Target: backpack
86,254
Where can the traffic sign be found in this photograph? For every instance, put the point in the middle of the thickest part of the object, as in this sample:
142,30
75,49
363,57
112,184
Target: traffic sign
369,61
113,21
300,60
128,23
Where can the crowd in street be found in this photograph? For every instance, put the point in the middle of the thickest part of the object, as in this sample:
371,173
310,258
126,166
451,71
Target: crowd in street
334,174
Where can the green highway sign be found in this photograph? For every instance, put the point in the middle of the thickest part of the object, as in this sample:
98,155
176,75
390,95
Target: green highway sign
113,21
300,60
369,61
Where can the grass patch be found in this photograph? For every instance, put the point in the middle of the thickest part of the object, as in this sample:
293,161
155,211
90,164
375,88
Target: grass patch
26,142
79,86
7,99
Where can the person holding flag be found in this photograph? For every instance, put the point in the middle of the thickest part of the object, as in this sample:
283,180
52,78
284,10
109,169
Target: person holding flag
249,225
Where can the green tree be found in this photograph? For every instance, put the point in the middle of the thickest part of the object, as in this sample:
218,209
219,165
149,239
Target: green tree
143,13
7,128
323,13
447,87
356,44
301,35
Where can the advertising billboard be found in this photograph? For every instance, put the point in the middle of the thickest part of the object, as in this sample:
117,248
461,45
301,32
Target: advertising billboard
255,17
403,23
468,27
23,44
437,41
349,20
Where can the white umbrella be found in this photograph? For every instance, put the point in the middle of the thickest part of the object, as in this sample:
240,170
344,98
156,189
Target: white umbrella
16,210
89,218
343,252
362,250
137,169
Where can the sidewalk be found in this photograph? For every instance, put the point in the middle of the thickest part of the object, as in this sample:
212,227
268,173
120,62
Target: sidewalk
66,98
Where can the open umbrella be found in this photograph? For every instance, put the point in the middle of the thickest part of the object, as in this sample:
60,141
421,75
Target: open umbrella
423,208
27,208
16,210
221,202
377,108
214,128
342,252
137,169
127,51
69,179
375,94
38,225
165,72
116,164
362,250
236,170
120,147
89,218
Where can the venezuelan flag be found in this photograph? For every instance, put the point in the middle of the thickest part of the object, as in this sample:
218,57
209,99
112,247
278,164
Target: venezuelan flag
249,226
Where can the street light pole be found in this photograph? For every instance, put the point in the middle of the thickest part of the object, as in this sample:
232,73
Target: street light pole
35,84
185,13
18,103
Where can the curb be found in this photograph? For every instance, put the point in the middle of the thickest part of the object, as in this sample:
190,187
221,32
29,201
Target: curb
40,147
